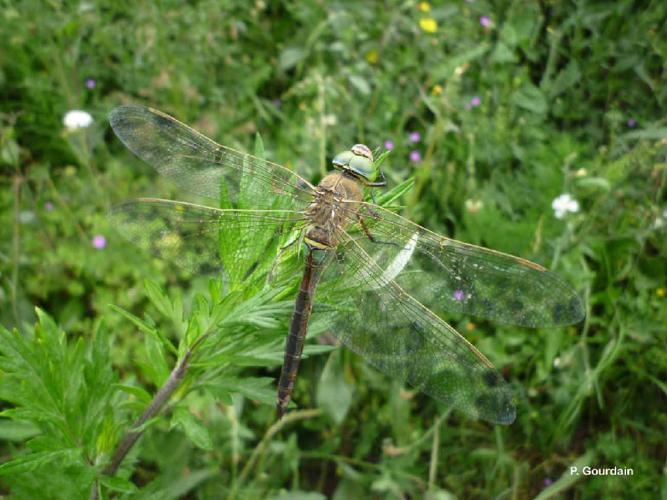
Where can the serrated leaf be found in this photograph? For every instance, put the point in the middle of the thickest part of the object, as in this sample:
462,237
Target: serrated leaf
31,461
144,327
157,367
162,302
193,429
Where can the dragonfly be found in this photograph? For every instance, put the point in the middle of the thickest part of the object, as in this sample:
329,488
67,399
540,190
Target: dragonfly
378,276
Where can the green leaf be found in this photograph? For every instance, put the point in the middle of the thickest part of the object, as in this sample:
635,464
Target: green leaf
360,84
32,461
290,57
529,97
157,367
597,183
255,388
172,310
566,79
566,481
193,429
259,146
17,430
179,485
396,192
652,133
503,54
116,483
145,327
446,70
142,395
334,394
299,495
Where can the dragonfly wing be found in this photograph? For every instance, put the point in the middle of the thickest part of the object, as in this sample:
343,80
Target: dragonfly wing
203,239
372,315
448,275
204,167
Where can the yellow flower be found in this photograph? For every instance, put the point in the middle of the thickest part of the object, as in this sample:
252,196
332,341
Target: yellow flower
424,6
660,292
436,90
470,326
372,56
428,24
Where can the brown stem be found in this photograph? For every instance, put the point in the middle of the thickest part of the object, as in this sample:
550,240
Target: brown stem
173,381
162,396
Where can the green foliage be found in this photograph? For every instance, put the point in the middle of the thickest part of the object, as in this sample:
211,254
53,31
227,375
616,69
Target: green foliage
547,98
64,389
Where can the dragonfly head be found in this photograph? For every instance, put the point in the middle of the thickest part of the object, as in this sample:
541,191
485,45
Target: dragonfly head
359,162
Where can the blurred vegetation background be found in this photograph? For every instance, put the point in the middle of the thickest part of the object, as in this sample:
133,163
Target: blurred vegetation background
497,109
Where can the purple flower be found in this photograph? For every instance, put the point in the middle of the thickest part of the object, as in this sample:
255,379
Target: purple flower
414,137
99,241
547,481
485,21
459,295
415,156
388,144
632,123
48,206
475,101
91,83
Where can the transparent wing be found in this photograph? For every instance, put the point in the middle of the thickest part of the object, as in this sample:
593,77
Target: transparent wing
204,167
372,315
448,275
203,239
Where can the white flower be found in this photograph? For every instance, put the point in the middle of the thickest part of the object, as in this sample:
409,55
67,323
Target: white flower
77,119
474,206
329,120
564,204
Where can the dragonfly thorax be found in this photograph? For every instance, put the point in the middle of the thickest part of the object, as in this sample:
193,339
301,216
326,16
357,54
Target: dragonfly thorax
331,210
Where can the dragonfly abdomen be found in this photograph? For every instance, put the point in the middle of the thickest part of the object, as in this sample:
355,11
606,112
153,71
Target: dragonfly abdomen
297,334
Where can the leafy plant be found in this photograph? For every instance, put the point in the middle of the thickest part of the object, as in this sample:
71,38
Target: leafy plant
495,109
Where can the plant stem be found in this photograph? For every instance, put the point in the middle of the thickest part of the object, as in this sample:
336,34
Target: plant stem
272,431
162,396
131,437
16,248
435,448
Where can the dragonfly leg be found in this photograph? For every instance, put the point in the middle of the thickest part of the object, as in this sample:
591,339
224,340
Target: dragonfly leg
368,234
